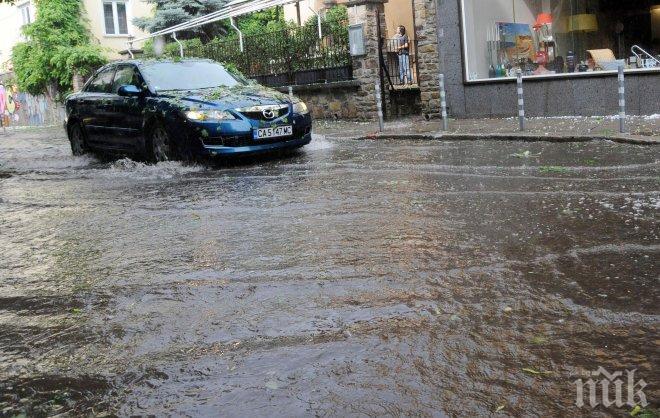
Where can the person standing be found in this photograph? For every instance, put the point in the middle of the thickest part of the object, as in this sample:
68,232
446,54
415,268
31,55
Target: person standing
403,49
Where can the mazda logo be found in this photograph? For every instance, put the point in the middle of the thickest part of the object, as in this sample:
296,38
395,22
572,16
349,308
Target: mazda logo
268,113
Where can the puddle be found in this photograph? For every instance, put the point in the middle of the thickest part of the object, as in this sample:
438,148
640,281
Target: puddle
381,278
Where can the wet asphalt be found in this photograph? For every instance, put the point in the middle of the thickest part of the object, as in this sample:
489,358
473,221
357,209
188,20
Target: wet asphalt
354,278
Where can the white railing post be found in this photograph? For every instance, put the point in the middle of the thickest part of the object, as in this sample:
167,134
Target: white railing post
521,101
622,100
443,103
379,106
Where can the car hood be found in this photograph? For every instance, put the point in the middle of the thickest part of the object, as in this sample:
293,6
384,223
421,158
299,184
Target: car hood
227,97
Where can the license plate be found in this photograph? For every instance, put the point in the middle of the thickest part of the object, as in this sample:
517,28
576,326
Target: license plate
274,132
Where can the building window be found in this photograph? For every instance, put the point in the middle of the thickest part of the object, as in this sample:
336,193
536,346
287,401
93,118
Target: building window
553,38
114,17
26,16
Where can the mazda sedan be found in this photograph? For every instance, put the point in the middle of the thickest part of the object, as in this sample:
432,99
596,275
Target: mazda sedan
168,110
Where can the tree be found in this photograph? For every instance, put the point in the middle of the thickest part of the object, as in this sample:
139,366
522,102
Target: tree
57,46
168,13
263,21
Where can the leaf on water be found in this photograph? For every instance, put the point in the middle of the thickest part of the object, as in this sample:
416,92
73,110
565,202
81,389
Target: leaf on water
271,384
539,339
525,154
499,408
635,411
76,310
534,371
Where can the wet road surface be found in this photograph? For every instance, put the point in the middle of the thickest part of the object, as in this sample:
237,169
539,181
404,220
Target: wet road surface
360,278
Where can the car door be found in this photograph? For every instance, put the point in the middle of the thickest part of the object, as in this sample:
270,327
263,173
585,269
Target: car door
95,108
126,115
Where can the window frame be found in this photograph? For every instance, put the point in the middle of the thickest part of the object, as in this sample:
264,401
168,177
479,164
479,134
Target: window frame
466,73
23,8
115,18
112,68
136,72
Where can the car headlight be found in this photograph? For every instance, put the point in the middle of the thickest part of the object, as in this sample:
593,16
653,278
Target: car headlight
300,108
209,115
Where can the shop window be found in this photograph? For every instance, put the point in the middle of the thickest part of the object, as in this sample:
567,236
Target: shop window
114,17
557,38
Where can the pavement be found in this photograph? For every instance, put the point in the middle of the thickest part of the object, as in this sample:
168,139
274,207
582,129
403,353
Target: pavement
641,129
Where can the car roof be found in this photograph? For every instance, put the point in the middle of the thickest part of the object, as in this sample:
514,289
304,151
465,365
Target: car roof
157,60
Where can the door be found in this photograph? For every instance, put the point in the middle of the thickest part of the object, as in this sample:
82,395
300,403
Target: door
126,114
95,108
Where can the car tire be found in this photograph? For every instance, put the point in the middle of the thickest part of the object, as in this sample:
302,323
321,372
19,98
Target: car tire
159,144
77,140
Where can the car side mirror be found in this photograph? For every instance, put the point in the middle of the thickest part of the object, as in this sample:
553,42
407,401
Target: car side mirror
129,90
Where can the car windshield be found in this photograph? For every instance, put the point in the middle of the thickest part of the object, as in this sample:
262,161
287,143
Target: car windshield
187,75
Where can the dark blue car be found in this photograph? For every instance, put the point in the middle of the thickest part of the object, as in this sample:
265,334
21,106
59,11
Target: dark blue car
170,110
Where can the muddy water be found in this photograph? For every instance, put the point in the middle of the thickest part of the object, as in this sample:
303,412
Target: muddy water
354,278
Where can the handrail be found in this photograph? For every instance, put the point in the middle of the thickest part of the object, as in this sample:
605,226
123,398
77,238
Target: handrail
636,48
178,42
232,22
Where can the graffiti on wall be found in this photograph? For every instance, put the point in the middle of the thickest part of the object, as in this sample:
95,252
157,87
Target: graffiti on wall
23,109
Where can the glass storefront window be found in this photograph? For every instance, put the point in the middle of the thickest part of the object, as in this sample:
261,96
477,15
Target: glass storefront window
554,38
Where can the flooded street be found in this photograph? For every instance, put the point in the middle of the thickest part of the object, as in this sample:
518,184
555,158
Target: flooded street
359,278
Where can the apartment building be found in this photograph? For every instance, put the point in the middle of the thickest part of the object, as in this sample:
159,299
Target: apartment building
109,23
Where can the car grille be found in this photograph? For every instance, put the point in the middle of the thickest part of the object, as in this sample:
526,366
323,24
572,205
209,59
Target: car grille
257,112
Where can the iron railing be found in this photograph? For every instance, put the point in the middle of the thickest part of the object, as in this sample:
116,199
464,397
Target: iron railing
291,56
400,65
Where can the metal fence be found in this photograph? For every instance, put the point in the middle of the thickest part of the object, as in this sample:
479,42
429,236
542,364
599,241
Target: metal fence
400,67
292,56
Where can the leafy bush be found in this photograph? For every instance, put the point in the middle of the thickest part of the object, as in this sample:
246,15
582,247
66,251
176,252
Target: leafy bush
57,46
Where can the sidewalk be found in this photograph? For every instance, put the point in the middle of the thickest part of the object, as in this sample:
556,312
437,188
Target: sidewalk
643,129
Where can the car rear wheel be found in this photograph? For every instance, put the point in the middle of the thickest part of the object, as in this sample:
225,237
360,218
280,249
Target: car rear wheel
160,146
77,140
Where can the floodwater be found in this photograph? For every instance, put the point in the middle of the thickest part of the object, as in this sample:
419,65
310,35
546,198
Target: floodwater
355,278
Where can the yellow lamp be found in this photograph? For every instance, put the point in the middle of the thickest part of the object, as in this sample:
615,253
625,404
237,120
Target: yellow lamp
655,21
583,23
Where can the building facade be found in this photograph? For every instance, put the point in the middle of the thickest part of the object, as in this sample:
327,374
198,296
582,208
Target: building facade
568,52
109,21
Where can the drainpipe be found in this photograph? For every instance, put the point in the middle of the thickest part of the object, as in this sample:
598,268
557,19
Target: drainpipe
232,22
318,18
178,42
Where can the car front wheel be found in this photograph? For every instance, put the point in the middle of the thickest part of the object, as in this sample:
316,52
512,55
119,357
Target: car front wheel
159,147
77,140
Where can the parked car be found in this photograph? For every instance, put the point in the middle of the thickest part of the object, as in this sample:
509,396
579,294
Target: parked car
162,110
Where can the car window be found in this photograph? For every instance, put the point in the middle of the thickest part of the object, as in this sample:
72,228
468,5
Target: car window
126,74
102,82
187,75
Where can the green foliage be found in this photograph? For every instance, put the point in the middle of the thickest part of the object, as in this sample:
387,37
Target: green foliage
58,44
256,23
272,46
168,13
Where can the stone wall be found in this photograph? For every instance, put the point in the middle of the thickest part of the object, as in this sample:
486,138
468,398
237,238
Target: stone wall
366,68
332,100
425,17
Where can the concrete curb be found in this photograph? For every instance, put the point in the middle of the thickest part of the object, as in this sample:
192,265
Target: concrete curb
510,137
